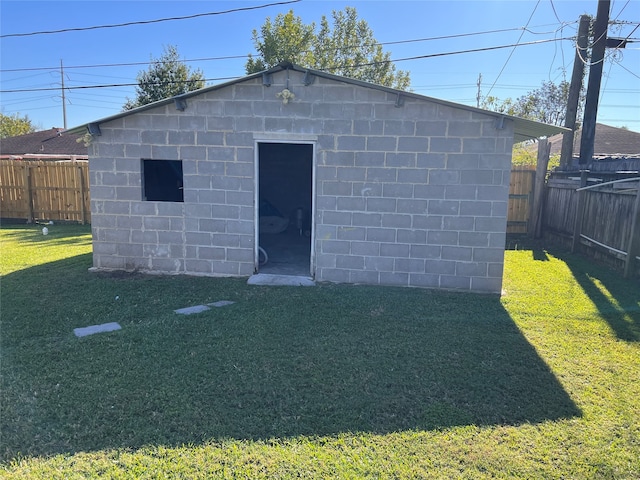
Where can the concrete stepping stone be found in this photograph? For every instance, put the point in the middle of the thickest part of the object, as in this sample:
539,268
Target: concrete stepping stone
104,327
203,308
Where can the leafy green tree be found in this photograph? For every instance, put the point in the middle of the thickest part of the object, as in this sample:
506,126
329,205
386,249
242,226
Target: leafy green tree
166,77
13,125
547,104
344,47
285,38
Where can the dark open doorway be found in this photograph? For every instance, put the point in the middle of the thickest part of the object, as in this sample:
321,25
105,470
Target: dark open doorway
285,207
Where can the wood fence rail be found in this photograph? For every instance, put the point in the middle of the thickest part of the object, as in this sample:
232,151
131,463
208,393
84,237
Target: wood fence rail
45,190
603,220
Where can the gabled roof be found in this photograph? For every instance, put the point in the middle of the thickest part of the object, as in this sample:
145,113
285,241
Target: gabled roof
54,141
524,129
609,142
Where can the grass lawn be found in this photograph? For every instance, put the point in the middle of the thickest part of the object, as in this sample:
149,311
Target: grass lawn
324,382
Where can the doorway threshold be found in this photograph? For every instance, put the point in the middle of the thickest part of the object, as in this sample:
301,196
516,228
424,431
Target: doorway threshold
286,280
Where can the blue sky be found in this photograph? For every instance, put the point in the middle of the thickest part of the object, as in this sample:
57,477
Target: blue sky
33,62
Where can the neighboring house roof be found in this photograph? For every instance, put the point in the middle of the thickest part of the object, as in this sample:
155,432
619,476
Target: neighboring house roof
523,129
54,141
609,142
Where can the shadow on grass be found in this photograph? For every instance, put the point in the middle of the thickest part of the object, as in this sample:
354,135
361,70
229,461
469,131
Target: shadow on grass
279,362
617,298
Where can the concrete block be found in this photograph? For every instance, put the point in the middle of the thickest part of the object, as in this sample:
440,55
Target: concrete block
368,127
350,262
394,278
367,277
395,190
351,143
334,275
337,126
396,220
431,128
413,175
367,249
473,239
455,282
399,128
337,247
382,143
407,163
413,144
486,285
444,177
440,267
351,203
424,280
381,205
431,160
486,145
93,329
411,236
161,152
471,269
336,218
409,265
192,123
445,237
425,251
394,250
413,206
387,235
491,224
369,159
457,253
351,233
366,219
379,264
217,123
445,145
340,159
351,174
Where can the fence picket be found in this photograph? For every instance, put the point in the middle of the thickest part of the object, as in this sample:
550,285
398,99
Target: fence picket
44,190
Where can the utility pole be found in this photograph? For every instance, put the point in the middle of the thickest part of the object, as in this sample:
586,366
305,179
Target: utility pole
595,79
64,100
479,94
566,153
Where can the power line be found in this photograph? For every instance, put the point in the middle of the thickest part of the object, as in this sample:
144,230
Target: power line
235,57
419,57
514,48
146,22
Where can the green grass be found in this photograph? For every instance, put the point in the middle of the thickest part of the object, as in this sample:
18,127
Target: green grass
324,382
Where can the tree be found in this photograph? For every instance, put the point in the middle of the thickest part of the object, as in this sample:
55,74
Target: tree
166,77
13,125
347,48
547,104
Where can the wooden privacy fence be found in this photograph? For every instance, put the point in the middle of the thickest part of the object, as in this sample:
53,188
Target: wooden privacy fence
603,219
45,190
520,199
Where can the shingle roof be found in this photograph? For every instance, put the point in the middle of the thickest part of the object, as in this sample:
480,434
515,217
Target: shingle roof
609,142
46,142
523,129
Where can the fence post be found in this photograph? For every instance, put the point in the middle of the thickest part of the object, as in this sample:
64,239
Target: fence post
82,207
28,192
633,248
577,226
535,223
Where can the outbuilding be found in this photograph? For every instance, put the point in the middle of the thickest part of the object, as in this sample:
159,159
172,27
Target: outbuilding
332,178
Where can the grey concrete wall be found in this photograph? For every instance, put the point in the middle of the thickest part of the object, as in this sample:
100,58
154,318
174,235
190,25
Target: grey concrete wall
414,195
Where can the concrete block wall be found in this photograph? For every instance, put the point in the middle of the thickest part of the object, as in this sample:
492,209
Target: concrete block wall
408,191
